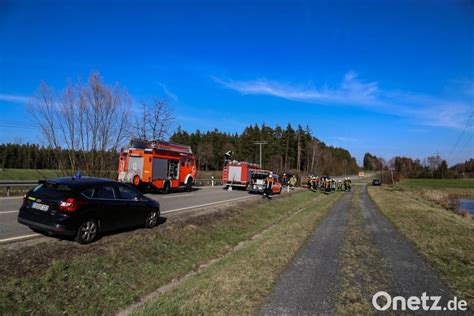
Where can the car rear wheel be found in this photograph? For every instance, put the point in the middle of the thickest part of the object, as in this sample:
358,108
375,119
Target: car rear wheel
152,219
87,232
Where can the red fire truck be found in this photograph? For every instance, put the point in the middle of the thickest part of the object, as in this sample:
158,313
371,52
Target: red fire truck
238,174
157,164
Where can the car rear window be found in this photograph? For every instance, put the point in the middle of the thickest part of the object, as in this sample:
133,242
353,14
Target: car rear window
52,190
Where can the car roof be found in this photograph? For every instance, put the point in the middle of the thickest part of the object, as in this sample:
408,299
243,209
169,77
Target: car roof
82,182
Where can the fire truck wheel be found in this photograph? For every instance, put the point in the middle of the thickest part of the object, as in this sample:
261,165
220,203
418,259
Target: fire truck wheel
166,188
136,180
189,185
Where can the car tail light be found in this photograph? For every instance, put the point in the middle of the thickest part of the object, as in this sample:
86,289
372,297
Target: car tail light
70,204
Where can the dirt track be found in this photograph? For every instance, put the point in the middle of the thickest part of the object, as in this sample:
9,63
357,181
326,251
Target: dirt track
310,285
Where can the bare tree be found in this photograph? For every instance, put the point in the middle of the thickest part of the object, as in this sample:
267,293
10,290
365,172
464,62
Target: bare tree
155,120
89,121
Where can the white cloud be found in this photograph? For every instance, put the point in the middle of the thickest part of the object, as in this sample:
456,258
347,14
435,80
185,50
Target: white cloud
422,109
346,140
351,91
14,98
167,92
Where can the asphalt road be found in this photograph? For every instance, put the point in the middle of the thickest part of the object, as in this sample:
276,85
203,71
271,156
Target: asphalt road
175,202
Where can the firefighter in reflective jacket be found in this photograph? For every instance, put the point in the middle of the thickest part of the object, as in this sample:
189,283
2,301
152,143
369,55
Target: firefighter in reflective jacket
268,192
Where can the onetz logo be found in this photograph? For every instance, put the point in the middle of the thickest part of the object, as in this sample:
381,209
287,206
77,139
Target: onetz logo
383,301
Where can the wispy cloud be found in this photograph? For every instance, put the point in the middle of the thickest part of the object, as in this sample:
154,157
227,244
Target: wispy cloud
346,140
351,91
167,92
354,92
14,98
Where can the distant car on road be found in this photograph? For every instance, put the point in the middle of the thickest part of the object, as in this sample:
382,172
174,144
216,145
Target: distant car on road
376,182
85,207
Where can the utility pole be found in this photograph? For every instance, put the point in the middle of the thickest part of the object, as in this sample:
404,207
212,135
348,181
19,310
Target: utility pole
260,143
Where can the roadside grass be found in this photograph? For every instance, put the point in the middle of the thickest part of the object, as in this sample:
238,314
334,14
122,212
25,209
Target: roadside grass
41,174
443,238
362,270
66,278
239,283
28,174
208,174
444,192
438,183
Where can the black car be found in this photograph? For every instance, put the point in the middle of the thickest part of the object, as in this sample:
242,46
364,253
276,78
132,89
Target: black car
376,182
84,207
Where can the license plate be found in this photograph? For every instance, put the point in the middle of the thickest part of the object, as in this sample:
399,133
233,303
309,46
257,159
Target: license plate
39,206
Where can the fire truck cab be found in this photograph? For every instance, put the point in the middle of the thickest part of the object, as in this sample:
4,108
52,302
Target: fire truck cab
157,164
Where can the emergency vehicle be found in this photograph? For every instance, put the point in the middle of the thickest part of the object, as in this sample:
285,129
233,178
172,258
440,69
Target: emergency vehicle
238,173
157,164
257,182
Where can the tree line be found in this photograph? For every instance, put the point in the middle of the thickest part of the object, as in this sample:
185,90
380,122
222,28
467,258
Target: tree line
430,167
290,149
85,125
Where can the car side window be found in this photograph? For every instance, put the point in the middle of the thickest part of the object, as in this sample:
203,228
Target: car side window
128,193
88,192
104,192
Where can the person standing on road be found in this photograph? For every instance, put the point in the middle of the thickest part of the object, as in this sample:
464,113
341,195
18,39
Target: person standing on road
268,192
349,184
292,182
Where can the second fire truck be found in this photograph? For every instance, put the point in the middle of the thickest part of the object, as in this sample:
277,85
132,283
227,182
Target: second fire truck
157,164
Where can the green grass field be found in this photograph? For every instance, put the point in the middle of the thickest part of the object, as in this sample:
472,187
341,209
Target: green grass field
28,174
38,174
438,183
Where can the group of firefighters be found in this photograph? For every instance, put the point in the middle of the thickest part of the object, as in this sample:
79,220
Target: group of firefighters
329,185
325,184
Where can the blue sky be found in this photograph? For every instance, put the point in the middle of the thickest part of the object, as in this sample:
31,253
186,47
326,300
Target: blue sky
388,77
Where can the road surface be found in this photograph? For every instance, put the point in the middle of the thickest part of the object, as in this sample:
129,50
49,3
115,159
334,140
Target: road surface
176,202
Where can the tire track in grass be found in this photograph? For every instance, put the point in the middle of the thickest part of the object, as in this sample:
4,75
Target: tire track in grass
239,282
309,285
362,272
177,282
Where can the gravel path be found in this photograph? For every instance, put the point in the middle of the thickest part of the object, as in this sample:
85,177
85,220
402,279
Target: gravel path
309,285
411,275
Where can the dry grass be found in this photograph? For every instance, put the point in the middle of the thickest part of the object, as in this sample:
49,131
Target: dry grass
239,283
362,272
58,278
445,239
